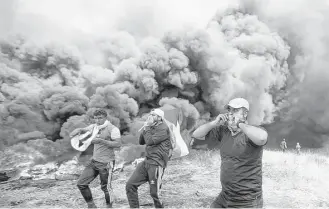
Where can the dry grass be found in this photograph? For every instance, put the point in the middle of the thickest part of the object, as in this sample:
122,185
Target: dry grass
290,180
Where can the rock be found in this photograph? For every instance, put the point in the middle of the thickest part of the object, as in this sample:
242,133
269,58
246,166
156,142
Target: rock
46,171
65,177
25,175
3,176
30,136
8,174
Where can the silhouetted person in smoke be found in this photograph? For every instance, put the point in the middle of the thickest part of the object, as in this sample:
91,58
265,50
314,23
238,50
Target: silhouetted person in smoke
298,147
107,139
241,150
283,145
156,136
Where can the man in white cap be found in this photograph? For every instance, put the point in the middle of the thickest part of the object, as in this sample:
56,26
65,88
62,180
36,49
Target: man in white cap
156,137
241,150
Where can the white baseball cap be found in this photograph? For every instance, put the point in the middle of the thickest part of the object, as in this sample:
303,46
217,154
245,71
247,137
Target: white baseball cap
238,103
158,112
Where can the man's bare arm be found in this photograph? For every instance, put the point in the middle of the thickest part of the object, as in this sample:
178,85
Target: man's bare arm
79,130
203,130
257,135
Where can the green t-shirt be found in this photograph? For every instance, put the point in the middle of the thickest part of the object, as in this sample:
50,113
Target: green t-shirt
103,153
241,165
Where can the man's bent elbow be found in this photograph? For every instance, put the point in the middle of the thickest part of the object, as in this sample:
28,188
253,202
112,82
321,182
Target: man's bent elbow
265,135
193,135
263,139
118,143
196,134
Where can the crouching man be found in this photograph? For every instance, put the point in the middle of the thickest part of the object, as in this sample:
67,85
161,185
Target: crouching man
156,136
106,140
241,150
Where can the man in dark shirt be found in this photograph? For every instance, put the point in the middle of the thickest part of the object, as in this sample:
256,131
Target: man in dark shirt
156,136
241,150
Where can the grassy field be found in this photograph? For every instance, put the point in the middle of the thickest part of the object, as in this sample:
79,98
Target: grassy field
290,180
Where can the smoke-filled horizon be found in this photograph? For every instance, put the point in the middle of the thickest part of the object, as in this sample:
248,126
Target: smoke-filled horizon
61,60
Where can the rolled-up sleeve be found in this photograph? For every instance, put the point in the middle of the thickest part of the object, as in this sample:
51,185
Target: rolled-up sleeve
115,134
252,143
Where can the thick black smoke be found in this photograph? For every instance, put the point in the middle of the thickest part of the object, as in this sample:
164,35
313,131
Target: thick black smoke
273,56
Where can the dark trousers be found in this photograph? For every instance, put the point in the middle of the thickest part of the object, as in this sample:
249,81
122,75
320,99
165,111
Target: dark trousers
92,170
145,172
222,202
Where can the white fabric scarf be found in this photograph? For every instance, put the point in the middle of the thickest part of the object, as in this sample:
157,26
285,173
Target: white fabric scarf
95,131
99,127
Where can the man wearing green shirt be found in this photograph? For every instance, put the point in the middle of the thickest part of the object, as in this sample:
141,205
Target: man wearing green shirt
241,150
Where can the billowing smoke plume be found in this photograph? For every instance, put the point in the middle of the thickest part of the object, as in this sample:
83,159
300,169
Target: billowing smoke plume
234,52
273,54
304,106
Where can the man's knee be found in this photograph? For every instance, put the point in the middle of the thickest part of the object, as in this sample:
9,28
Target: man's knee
104,188
82,186
130,187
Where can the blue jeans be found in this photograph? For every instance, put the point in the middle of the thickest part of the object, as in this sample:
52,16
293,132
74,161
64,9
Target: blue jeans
92,170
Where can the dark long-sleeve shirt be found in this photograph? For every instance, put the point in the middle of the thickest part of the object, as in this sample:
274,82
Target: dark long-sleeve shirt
158,144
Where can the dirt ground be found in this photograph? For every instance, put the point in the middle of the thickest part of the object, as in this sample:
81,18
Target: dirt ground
64,194
181,188
288,181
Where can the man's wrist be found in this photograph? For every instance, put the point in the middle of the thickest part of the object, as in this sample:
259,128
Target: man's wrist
239,124
213,123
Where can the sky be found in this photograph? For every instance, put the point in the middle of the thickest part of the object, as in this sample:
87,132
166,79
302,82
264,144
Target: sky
142,18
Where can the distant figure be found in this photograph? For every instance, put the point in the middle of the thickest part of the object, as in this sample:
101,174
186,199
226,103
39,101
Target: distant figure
283,145
298,148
